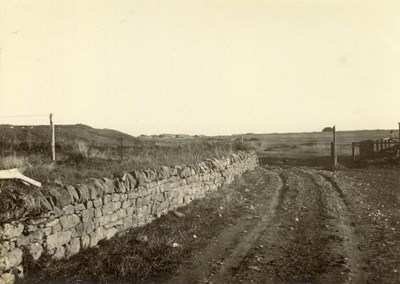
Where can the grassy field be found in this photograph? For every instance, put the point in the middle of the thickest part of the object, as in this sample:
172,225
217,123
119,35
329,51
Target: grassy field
311,148
83,152
313,143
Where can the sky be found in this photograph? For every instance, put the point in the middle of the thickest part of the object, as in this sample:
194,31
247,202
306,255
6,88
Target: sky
201,67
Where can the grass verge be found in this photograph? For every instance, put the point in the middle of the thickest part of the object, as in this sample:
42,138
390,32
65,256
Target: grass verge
82,161
12,161
79,161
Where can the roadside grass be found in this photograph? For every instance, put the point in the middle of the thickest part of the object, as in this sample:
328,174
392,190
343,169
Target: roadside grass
78,160
16,201
12,161
125,258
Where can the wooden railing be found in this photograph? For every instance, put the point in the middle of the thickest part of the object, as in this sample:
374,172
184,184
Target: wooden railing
371,148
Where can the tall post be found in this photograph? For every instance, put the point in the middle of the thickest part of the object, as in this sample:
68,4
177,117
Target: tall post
334,133
333,148
53,138
353,154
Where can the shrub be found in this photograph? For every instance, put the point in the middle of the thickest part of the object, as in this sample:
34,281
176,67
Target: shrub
98,154
327,129
16,201
79,151
241,146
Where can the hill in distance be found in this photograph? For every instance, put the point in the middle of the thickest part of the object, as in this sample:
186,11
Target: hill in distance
42,133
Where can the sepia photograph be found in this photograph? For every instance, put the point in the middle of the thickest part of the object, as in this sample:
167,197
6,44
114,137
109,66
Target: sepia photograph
199,141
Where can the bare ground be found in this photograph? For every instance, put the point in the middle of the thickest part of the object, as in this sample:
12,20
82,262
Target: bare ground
308,226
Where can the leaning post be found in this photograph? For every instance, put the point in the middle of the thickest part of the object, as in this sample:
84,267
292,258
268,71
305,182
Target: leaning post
333,148
53,138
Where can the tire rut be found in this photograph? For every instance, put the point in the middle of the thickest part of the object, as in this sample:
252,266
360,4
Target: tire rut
308,258
305,234
340,226
282,190
233,244
302,243
336,187
226,272
351,243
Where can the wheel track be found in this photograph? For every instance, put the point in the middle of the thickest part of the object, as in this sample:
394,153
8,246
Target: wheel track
319,246
223,249
225,274
302,244
306,252
291,251
336,187
342,224
282,190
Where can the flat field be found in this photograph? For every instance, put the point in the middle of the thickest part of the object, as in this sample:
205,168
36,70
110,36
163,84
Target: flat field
311,149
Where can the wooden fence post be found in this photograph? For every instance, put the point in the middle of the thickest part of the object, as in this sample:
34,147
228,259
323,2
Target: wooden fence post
53,138
334,154
333,148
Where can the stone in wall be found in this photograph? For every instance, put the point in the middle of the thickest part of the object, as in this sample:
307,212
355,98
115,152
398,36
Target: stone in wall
58,239
35,250
11,231
60,196
10,259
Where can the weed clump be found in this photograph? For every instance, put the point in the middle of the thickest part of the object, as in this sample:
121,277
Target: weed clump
12,161
16,201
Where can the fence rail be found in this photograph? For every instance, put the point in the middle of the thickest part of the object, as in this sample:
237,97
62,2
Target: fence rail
372,148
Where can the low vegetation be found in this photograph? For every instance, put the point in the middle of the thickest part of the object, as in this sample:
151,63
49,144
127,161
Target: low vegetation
16,202
12,161
83,152
81,156
311,144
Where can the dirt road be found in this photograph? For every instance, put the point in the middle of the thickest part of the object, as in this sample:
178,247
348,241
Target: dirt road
306,226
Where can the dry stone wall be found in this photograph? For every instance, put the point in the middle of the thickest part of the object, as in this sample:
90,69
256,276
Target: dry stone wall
80,216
